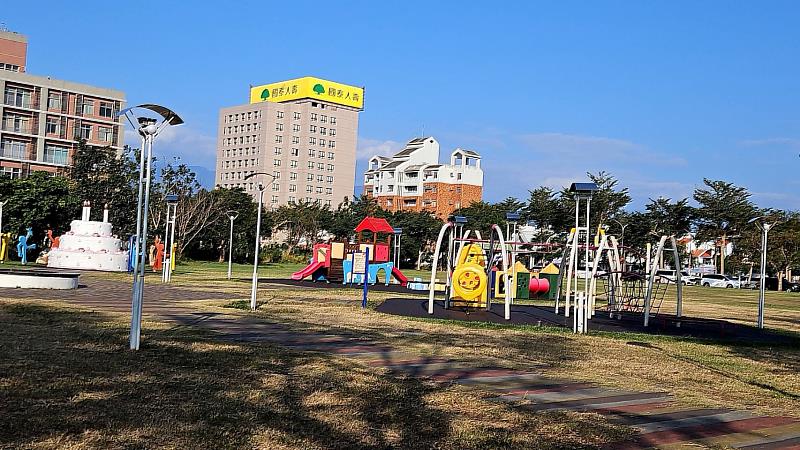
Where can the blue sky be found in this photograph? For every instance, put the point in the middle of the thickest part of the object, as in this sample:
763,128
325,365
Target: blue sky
660,94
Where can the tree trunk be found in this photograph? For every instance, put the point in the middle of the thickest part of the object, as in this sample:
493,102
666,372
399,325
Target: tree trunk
780,280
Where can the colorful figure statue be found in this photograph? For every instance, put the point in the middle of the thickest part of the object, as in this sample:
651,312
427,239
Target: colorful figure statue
54,241
5,243
159,254
23,246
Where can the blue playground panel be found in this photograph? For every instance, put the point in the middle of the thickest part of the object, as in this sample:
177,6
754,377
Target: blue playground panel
372,276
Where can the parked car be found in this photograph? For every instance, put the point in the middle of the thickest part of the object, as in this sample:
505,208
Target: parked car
686,279
772,284
719,280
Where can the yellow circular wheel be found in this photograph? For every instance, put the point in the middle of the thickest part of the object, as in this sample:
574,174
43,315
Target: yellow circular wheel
469,281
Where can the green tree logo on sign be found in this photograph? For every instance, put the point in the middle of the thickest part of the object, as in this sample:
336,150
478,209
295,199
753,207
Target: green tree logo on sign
319,89
264,94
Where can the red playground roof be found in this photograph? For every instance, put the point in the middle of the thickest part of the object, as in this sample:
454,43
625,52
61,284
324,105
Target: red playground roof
374,224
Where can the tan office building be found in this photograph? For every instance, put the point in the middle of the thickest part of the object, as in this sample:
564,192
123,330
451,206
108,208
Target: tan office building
43,118
302,131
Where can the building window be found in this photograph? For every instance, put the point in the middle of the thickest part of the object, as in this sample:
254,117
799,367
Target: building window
106,109
296,116
53,100
309,188
295,139
319,189
18,97
52,126
296,127
329,179
321,154
85,131
293,163
312,141
313,116
292,188
312,128
322,142
331,144
278,139
11,172
329,191
276,187
278,127
13,149
87,107
55,154
276,162
280,115
320,166
104,134
320,178
311,164
278,150
333,120
310,177
323,118
311,153
293,175
292,199
332,131
274,199
295,152
330,167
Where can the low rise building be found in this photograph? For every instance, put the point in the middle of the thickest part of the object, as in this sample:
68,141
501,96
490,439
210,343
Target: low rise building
414,180
43,118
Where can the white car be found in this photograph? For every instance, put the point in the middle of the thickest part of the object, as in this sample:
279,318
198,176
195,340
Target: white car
686,279
719,280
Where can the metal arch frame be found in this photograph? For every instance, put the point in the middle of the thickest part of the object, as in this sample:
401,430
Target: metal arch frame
652,276
435,265
609,245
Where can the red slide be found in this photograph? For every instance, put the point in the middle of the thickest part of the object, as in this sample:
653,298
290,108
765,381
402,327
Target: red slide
307,271
400,277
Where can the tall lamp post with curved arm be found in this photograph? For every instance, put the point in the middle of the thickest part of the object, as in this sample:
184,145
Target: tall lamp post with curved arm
261,187
148,128
764,224
232,215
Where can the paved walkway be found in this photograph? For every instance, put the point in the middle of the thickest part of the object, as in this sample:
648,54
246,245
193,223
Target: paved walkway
660,422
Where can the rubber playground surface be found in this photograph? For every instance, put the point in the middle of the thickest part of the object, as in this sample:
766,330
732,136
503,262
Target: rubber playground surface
664,324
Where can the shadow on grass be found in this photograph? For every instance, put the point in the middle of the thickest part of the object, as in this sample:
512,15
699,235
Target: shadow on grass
68,381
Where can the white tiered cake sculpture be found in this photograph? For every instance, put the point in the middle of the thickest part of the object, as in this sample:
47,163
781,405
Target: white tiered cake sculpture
89,245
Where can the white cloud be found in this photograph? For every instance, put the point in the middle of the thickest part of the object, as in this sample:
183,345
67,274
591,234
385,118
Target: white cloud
367,148
191,146
597,148
769,142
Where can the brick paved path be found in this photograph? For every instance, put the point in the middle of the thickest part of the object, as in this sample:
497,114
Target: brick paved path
659,421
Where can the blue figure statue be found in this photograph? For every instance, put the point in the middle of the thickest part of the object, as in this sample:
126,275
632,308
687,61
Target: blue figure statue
23,246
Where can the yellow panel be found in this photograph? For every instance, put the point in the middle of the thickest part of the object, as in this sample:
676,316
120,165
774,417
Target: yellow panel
551,269
337,250
309,87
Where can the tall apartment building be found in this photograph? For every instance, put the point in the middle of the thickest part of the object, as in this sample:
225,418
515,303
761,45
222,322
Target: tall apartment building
302,131
43,118
414,180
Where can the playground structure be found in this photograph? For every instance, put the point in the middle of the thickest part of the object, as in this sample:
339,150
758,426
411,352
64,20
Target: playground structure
333,262
479,270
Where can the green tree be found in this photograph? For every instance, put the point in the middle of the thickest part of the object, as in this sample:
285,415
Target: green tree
420,230
40,201
723,212
666,217
104,177
481,216
302,221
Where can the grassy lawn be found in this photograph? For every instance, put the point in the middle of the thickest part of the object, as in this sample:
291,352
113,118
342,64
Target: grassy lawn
66,379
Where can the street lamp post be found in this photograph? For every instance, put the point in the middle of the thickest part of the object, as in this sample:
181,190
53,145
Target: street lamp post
261,187
397,233
232,215
148,128
764,226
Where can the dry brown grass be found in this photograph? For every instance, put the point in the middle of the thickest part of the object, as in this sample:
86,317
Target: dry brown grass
67,382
